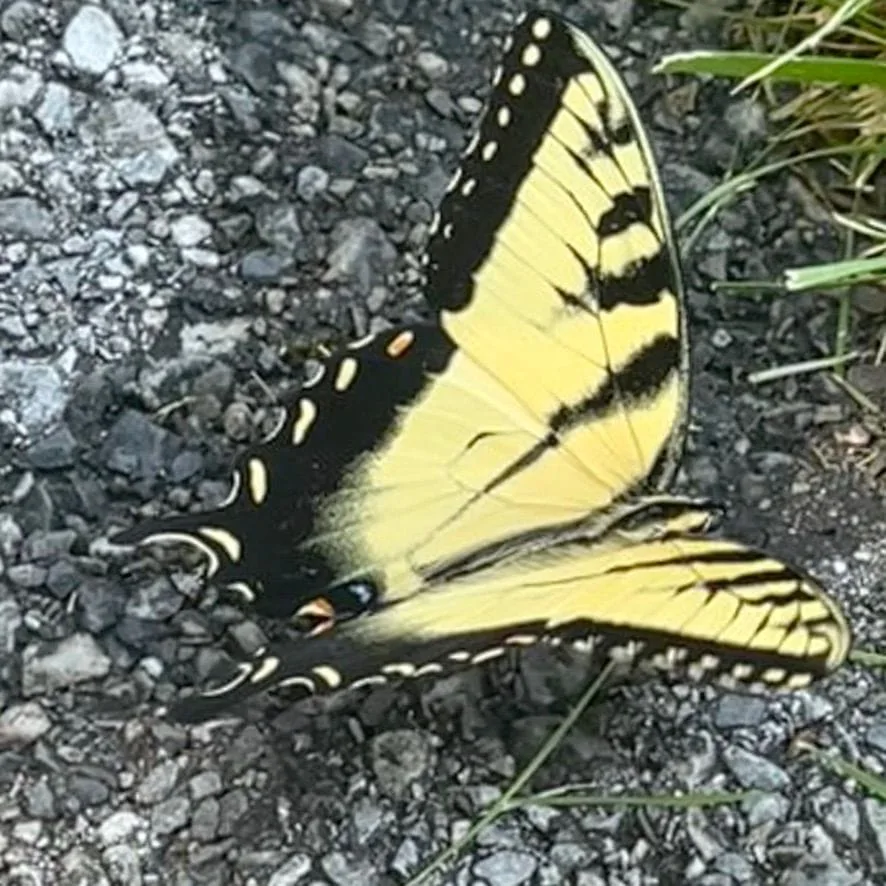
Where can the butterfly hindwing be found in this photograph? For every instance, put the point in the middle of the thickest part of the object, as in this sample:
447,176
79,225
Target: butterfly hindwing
712,607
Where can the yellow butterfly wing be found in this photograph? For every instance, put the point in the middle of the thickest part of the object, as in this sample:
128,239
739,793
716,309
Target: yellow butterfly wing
552,387
661,592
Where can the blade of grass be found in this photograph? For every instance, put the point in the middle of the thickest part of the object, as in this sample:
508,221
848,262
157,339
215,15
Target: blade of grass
868,658
870,782
842,14
564,798
832,275
862,399
763,376
730,188
818,69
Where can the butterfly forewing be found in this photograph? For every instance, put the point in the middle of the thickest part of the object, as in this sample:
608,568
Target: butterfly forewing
552,388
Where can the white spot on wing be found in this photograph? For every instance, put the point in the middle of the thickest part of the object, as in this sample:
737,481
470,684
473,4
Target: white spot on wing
347,372
541,28
517,84
265,669
329,675
258,480
531,55
307,412
226,540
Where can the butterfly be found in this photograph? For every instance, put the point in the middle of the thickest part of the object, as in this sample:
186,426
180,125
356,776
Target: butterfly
440,493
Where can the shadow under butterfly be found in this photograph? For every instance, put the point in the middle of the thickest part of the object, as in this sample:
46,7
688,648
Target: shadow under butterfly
441,493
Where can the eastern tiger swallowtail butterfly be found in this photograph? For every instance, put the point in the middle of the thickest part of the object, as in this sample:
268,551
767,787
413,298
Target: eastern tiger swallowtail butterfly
440,493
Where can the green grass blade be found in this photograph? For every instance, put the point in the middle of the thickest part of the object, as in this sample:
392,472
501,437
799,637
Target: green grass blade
819,69
833,275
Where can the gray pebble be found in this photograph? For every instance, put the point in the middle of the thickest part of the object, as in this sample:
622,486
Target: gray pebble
24,217
433,66
20,88
205,820
18,19
277,225
56,450
345,870
400,759
875,735
40,800
265,265
754,771
735,711
155,601
134,140
73,660
875,816
123,865
169,816
120,826
361,253
292,871
158,784
92,40
22,724
55,113
507,868
190,230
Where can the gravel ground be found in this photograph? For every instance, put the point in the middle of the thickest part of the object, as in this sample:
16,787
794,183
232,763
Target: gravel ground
193,196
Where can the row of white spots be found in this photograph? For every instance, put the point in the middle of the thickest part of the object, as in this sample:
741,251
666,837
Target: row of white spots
530,57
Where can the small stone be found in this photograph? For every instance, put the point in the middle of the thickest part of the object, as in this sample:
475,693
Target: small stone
346,870
277,226
265,265
144,75
169,816
401,758
40,800
735,711
18,20
205,784
120,827
54,451
292,871
156,601
55,113
875,813
73,660
22,724
875,735
311,182
507,868
753,771
92,40
25,217
123,865
134,140
158,784
89,791
361,253
190,230
433,66
204,822
20,88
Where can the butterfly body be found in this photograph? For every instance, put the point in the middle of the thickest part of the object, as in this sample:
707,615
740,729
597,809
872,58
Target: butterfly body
443,492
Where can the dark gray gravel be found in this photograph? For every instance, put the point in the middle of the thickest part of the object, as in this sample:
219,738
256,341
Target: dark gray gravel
193,197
